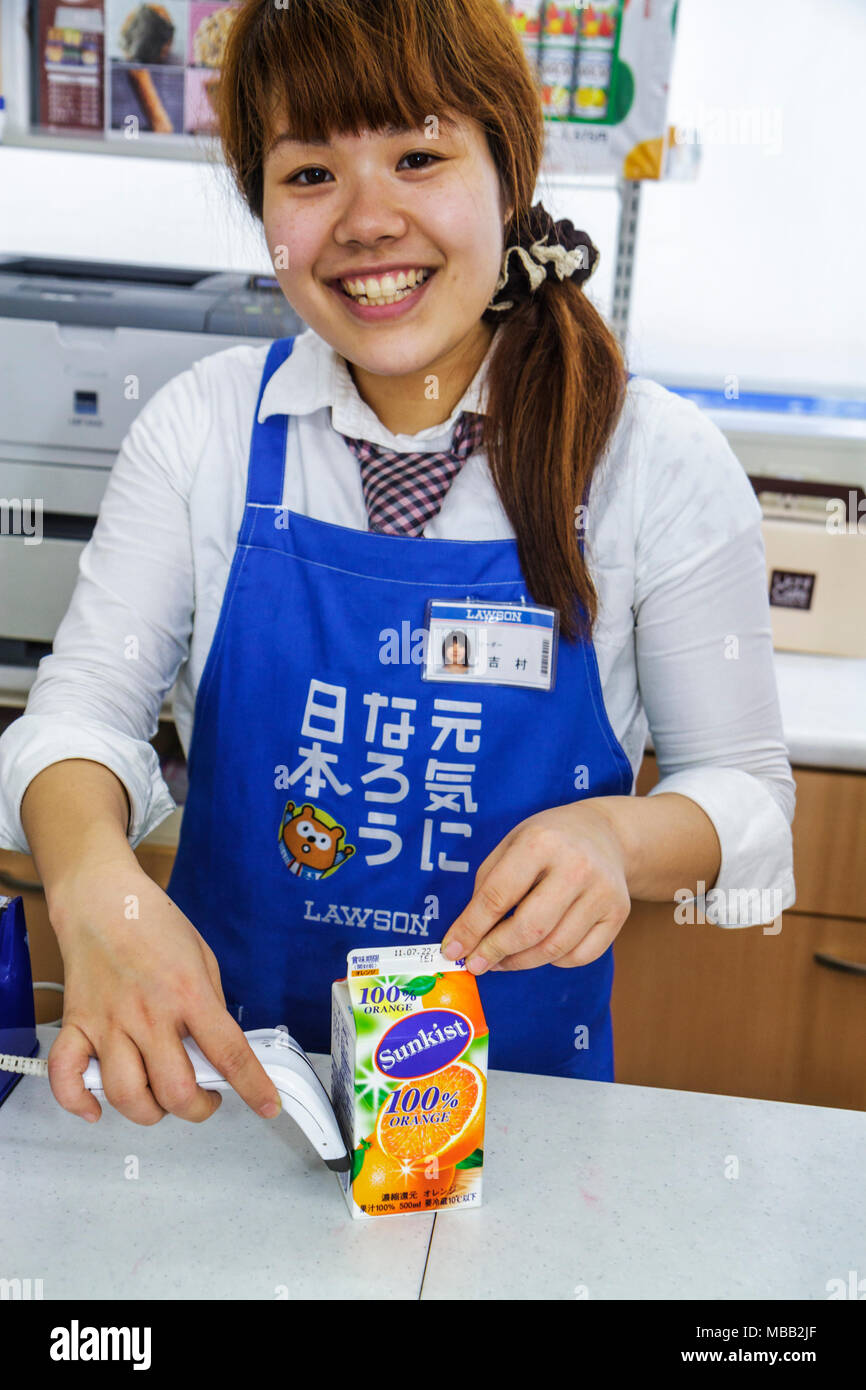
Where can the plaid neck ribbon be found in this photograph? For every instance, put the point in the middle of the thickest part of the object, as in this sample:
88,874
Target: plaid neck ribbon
403,492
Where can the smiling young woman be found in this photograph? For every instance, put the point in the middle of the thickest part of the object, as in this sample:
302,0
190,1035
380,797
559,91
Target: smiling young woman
406,471
295,83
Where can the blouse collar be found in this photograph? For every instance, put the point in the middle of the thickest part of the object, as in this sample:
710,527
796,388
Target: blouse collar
315,375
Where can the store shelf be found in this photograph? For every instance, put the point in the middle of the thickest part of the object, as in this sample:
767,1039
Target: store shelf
188,148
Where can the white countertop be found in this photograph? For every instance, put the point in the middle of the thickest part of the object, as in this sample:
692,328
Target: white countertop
823,701
591,1190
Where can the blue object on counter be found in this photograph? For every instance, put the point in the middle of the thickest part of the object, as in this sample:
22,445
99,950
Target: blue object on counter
17,1016
837,407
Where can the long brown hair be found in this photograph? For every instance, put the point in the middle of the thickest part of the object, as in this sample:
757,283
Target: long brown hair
556,379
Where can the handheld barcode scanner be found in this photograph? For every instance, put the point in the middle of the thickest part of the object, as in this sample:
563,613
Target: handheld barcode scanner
303,1096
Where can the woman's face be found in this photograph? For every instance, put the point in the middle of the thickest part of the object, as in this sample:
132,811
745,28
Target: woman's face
392,203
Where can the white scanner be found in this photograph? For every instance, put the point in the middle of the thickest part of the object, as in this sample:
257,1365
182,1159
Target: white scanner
303,1096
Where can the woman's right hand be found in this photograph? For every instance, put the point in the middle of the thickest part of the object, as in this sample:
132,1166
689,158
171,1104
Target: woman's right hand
140,978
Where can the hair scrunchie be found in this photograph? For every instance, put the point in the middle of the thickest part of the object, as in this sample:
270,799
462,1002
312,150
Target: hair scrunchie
545,250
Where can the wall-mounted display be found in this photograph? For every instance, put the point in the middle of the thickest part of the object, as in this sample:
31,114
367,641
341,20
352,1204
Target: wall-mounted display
144,75
124,70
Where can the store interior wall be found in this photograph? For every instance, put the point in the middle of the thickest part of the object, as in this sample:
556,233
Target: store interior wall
753,270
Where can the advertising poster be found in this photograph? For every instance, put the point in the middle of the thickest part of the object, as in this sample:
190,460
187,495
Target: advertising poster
128,71
69,67
603,67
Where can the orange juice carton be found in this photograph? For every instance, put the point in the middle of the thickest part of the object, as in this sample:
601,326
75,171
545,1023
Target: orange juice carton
409,1080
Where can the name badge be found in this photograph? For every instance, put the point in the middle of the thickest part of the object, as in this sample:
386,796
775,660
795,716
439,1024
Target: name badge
494,643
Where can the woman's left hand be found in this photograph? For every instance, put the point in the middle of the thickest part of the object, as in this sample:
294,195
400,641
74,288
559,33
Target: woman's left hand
564,871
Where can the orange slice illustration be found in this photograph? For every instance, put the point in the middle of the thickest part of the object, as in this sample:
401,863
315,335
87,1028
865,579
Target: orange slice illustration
450,1130
383,1176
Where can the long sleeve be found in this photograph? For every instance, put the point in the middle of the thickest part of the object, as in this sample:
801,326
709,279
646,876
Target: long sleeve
704,651
127,629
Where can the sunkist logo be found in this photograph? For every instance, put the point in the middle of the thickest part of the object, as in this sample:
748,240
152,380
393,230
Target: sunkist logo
422,1043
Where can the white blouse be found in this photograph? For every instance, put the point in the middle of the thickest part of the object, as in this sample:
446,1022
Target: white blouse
673,541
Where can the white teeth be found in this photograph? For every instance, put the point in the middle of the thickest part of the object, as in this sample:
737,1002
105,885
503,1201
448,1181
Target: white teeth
389,290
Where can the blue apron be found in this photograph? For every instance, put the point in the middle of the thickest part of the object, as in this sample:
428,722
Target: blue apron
337,799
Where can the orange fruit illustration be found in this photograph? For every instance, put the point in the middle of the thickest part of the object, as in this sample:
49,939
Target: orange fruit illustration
644,161
450,1131
456,989
383,1175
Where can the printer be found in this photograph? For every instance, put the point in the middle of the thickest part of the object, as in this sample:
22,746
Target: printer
805,455
73,334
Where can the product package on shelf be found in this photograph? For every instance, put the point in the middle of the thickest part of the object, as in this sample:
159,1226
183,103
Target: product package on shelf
603,70
68,68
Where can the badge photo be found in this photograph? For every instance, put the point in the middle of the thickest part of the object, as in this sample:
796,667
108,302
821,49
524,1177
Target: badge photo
491,643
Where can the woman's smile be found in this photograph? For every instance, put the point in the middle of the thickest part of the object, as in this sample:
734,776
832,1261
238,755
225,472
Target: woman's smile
393,300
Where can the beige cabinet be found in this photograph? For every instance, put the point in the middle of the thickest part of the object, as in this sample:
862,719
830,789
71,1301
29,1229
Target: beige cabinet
740,1012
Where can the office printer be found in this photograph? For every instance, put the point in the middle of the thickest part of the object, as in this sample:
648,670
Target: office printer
805,455
72,332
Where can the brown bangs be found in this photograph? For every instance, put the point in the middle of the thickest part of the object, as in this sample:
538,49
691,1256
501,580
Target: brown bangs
320,68
316,69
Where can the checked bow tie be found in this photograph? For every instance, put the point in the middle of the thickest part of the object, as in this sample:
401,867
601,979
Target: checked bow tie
403,492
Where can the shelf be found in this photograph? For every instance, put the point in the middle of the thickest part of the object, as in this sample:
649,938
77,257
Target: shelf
190,149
